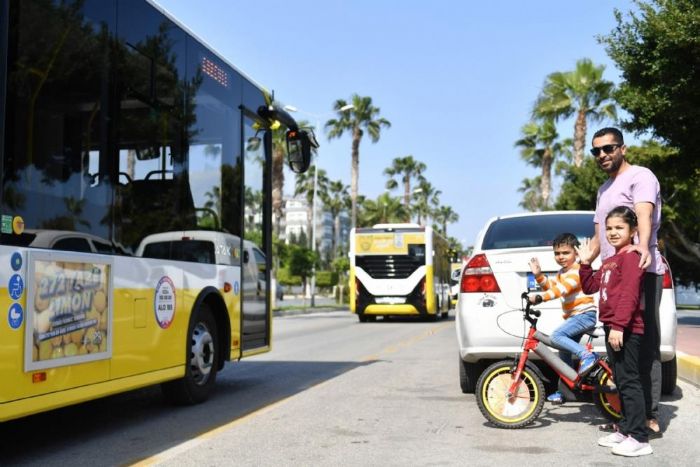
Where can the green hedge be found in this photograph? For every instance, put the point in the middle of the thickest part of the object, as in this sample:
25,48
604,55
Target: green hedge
326,278
323,278
285,278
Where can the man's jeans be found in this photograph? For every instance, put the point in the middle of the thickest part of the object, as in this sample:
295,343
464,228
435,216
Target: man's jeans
567,336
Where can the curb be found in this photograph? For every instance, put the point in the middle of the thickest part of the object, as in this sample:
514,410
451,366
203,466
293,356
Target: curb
688,368
305,311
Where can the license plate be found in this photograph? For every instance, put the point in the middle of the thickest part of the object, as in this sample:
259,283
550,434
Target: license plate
532,285
390,300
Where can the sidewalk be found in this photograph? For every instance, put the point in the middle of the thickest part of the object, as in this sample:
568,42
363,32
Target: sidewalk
688,346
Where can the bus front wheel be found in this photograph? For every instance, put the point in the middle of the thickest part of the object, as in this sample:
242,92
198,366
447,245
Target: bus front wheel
201,360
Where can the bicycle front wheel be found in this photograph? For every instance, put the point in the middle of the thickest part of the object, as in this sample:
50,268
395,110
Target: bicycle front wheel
509,411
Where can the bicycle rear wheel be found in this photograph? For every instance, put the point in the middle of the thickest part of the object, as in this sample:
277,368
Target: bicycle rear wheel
515,411
607,398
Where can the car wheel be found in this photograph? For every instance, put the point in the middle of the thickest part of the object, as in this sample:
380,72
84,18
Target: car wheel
201,361
669,374
468,375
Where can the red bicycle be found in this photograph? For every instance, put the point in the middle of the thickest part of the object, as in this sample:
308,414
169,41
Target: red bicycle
510,393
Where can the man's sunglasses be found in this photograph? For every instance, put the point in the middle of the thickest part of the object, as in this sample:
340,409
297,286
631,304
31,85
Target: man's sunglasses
607,149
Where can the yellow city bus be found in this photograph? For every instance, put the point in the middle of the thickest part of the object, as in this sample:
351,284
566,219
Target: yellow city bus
399,269
135,190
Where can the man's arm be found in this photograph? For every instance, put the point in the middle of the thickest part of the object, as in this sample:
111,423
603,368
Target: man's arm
644,211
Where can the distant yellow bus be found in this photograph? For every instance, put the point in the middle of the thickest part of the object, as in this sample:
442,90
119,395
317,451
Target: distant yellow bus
399,270
134,205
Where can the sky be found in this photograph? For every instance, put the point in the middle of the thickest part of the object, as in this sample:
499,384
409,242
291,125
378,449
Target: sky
456,78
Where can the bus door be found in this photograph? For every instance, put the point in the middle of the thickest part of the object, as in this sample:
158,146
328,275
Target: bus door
254,272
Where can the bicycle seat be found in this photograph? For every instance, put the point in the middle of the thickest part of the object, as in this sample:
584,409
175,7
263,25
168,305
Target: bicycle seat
597,331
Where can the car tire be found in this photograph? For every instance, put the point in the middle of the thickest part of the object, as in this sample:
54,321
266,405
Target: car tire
669,375
468,375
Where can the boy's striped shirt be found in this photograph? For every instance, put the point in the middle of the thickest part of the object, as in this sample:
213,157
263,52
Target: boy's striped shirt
566,286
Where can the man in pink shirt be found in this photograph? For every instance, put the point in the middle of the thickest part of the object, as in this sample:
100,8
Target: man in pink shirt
637,188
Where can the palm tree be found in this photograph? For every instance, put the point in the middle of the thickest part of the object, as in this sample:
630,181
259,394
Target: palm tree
362,116
386,209
539,147
426,198
532,200
408,168
304,185
334,201
582,92
445,215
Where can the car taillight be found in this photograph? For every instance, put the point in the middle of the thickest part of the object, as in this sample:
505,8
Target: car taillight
668,280
478,276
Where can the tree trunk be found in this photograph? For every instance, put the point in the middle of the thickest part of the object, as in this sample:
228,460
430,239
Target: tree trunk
579,137
336,235
355,173
407,198
546,178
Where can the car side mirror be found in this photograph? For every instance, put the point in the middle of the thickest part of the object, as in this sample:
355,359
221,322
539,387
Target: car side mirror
246,256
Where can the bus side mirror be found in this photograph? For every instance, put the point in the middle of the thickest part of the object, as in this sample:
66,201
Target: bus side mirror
300,144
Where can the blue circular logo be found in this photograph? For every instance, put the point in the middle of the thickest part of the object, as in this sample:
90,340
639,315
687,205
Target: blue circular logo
235,287
15,315
15,287
16,261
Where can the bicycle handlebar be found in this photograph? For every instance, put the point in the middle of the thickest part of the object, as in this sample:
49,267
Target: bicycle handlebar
528,310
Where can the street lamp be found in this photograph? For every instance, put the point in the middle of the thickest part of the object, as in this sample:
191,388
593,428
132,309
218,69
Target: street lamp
291,108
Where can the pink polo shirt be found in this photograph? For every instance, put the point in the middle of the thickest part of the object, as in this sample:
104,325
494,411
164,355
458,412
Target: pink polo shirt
634,185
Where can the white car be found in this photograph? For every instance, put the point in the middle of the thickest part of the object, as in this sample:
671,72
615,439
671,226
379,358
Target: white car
488,319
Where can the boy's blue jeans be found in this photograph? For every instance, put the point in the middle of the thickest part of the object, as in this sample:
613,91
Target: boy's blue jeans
567,336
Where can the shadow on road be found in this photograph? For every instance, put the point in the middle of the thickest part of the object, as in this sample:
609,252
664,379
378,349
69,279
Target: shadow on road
128,427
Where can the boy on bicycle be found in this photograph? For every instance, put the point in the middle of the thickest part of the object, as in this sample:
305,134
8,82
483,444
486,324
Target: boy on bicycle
579,309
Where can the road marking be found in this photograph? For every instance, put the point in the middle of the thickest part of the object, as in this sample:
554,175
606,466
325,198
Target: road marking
179,449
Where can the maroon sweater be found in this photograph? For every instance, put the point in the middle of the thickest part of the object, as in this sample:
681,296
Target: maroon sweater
619,281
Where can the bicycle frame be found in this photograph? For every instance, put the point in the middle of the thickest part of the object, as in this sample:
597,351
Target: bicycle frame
539,343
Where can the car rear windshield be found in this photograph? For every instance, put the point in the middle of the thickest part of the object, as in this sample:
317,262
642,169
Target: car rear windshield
533,231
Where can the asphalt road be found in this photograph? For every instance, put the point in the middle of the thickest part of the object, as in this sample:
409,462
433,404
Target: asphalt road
334,392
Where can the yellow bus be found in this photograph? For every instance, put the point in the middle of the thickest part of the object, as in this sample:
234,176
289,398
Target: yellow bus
399,269
135,205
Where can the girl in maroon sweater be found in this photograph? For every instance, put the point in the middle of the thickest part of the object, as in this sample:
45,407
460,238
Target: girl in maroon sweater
619,282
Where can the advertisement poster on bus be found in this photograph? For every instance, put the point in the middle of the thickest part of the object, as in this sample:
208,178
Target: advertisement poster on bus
69,311
387,243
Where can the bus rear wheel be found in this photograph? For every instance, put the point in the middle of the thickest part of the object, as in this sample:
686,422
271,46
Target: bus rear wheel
201,361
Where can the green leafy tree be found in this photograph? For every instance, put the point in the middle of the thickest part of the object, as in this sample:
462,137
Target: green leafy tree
580,186
582,93
301,262
539,147
656,48
407,168
362,117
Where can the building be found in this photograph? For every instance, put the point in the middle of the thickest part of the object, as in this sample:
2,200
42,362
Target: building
297,221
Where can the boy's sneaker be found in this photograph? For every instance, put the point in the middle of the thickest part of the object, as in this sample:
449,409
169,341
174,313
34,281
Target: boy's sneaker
613,439
587,363
630,447
556,398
